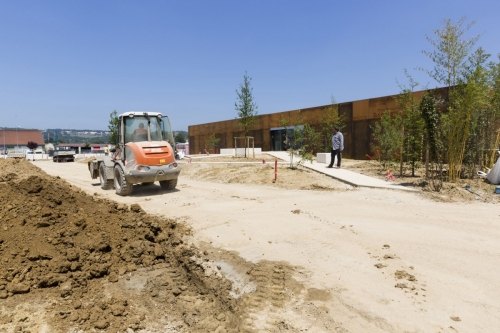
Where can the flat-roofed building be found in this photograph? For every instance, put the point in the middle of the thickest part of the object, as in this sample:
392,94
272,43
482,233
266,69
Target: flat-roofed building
360,117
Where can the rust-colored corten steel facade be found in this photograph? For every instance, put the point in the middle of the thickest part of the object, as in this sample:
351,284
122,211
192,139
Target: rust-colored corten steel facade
360,117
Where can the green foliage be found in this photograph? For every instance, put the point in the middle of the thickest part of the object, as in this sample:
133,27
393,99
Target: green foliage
180,137
212,142
471,107
386,134
329,119
412,127
482,115
450,51
113,128
432,127
247,109
301,138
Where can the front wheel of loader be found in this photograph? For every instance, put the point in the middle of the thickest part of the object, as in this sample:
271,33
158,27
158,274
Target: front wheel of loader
168,184
122,186
106,184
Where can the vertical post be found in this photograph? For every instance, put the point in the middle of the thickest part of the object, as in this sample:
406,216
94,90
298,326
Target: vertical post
253,147
427,162
275,169
235,149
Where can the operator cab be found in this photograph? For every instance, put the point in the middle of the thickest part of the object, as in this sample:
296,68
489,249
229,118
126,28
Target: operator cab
141,126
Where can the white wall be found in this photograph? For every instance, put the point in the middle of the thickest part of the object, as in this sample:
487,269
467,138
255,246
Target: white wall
240,151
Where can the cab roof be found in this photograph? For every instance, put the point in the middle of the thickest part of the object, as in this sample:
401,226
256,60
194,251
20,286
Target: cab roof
140,113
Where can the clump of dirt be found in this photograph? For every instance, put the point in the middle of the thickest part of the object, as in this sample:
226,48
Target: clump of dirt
404,275
71,262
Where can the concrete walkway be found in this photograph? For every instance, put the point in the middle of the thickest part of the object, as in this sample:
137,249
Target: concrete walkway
344,175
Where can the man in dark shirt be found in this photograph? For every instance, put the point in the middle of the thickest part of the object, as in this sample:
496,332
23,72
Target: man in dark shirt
337,147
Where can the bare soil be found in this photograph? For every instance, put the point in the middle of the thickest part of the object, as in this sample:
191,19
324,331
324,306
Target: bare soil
230,250
72,262
254,171
450,192
259,171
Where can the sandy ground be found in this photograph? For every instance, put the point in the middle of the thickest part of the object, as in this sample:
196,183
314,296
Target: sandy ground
369,260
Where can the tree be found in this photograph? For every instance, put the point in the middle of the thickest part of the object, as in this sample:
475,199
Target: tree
180,137
301,138
32,145
247,109
483,113
433,128
450,51
451,59
386,134
329,119
113,128
212,142
412,126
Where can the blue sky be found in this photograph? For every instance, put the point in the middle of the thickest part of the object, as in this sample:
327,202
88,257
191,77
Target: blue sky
68,64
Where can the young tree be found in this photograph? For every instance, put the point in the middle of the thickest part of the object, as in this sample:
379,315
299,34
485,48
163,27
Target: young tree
450,57
247,109
212,142
329,119
433,124
386,134
113,128
450,52
301,139
411,131
479,94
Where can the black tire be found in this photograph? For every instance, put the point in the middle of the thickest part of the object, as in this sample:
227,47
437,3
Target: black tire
122,186
147,183
54,159
106,184
168,184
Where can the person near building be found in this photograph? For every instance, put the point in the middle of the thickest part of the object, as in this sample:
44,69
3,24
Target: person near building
337,147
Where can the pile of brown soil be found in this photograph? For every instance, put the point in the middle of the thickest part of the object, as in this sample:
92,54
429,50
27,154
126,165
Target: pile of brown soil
72,262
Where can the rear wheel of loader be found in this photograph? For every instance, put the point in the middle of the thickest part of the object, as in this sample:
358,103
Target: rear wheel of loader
168,184
122,186
106,184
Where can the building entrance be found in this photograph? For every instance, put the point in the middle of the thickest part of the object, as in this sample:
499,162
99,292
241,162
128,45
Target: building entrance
280,138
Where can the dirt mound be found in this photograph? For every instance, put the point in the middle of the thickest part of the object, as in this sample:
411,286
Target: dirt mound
85,263
72,262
